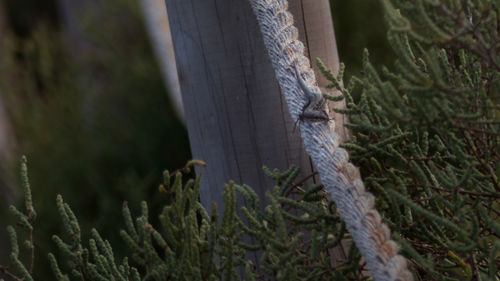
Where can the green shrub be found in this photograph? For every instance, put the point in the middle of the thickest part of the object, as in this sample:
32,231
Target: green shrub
293,235
98,127
426,135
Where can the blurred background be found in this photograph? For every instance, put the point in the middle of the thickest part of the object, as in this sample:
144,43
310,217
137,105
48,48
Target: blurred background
82,95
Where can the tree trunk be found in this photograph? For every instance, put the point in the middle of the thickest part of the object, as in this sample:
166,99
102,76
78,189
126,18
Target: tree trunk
236,118
156,20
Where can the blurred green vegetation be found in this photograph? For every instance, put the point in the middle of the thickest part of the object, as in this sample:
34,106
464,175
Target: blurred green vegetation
359,24
24,15
96,124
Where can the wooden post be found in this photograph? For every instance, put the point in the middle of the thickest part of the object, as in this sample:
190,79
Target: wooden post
236,117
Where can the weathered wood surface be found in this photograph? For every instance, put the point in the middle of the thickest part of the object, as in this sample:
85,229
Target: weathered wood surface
235,115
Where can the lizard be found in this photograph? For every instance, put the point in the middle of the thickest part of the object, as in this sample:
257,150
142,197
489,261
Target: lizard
313,110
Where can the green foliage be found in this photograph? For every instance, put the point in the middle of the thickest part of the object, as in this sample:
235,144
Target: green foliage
294,237
359,24
426,135
25,220
22,15
96,123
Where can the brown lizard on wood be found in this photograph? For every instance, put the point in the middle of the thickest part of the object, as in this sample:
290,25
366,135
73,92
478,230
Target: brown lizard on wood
314,109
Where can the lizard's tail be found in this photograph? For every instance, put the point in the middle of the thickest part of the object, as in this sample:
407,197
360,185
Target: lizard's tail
340,178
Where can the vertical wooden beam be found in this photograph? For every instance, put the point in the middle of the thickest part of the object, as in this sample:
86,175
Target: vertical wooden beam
236,118
235,115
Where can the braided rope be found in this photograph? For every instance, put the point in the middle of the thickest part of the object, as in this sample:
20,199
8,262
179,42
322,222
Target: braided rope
339,177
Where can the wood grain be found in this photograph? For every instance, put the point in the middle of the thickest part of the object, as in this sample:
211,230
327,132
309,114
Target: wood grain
236,117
